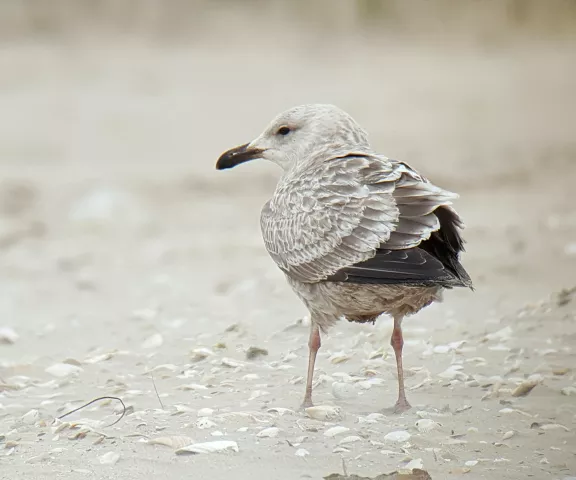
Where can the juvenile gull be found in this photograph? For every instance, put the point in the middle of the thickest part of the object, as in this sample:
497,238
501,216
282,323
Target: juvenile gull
356,234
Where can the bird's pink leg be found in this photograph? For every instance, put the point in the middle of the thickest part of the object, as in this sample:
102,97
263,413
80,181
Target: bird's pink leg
313,345
397,343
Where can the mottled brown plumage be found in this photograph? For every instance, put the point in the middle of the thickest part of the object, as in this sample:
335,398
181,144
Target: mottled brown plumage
356,234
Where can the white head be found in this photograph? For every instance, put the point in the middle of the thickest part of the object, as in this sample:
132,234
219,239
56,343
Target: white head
296,134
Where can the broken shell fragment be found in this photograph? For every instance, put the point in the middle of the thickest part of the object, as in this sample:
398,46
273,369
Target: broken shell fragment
31,417
109,458
426,425
349,439
302,452
209,447
526,387
333,431
325,412
270,432
62,370
175,441
397,436
343,391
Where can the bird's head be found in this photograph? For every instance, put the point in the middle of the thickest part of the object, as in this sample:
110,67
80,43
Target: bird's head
297,133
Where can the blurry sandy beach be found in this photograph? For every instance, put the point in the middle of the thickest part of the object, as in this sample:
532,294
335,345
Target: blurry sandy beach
127,262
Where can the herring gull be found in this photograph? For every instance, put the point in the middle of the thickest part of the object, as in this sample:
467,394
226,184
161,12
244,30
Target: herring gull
357,234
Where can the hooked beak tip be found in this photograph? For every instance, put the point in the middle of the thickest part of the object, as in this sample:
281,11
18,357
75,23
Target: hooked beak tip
237,155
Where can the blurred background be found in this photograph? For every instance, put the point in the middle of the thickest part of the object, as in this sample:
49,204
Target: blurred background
113,113
117,234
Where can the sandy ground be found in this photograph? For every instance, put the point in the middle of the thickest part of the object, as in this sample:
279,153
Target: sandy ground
126,260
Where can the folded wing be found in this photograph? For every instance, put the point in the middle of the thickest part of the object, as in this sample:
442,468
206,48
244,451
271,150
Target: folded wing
364,219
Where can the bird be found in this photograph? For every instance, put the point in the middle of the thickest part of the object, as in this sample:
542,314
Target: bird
356,234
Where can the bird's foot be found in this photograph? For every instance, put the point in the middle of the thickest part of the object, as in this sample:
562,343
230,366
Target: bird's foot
402,406
307,403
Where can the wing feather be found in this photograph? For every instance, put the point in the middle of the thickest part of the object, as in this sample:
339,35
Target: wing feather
347,221
361,218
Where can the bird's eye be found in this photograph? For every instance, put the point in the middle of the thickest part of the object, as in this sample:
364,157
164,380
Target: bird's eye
283,131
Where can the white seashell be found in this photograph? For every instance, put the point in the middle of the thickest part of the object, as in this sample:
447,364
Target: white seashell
289,357
554,426
454,441
397,436
342,376
209,447
323,379
365,384
507,435
231,363
426,425
217,433
333,431
281,411
471,463
153,341
506,410
201,353
340,450
568,391
415,463
371,418
258,393
62,370
8,335
250,376
342,391
109,458
192,387
339,357
84,471
204,422
175,441
99,358
453,372
178,409
425,414
205,412
31,417
376,417
463,408
441,349
270,432
325,412
389,452
302,452
349,439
